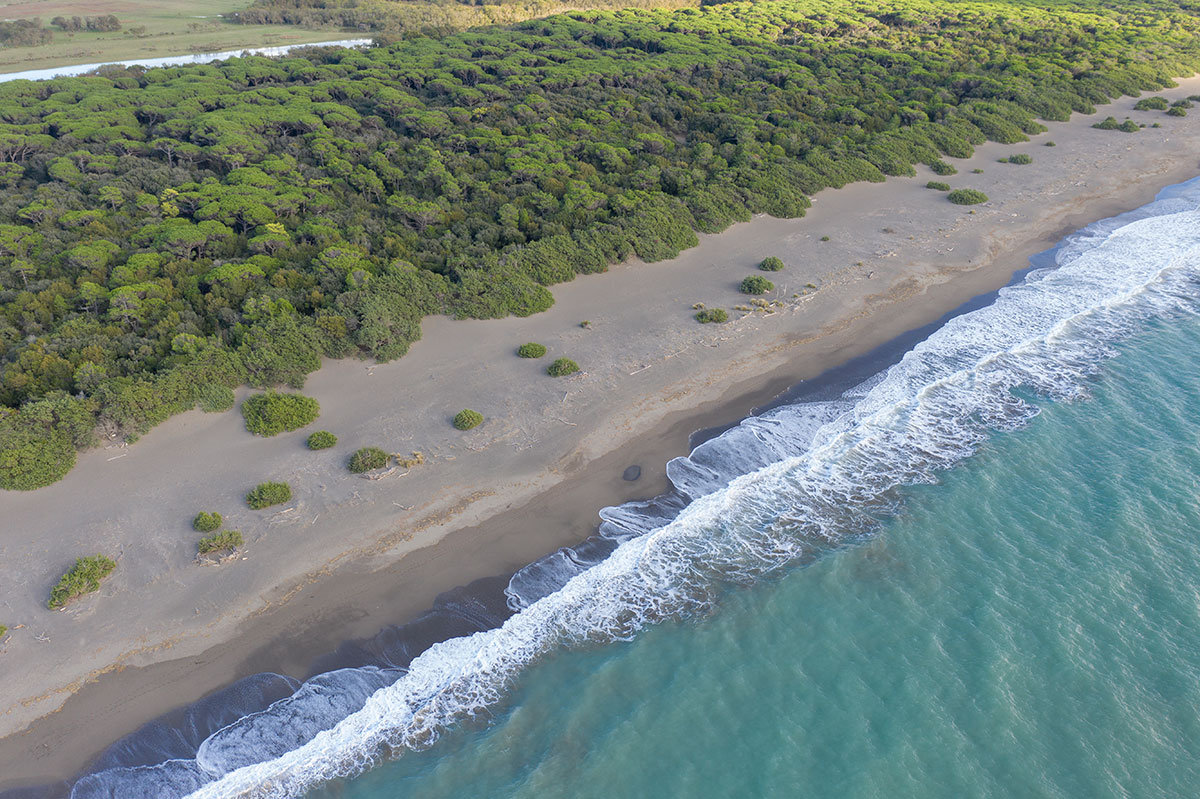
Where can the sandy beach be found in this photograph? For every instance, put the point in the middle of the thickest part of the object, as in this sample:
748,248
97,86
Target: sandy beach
350,555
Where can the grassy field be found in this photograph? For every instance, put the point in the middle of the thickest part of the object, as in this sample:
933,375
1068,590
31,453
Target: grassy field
172,27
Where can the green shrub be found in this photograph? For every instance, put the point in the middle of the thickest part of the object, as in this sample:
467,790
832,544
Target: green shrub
368,458
220,542
712,315
756,284
1182,104
1151,104
214,398
562,367
824,238
322,439
976,171
1109,123
770,264
966,197
467,419
1020,158
1128,126
265,495
206,522
1176,111
82,578
3,631
940,167
531,350
933,184
1050,144
272,413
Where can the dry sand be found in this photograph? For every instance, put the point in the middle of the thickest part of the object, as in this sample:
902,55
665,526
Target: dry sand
350,555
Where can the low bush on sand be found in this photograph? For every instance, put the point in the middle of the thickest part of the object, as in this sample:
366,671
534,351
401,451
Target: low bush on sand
966,197
368,458
467,419
264,495
756,284
3,631
933,184
531,350
1020,158
273,413
562,367
220,542
1176,111
942,168
712,315
770,264
1151,104
82,578
207,521
322,439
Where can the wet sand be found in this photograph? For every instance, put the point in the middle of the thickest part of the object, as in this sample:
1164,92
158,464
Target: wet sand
350,556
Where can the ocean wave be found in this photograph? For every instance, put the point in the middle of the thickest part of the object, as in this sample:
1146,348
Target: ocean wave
776,490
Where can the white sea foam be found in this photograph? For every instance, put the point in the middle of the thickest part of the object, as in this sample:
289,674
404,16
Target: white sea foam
811,476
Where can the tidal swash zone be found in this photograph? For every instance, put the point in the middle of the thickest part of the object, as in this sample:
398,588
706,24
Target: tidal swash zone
974,574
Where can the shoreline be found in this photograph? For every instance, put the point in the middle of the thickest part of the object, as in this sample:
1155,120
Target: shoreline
393,578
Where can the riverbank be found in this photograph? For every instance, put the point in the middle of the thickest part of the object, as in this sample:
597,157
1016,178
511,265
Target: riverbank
550,454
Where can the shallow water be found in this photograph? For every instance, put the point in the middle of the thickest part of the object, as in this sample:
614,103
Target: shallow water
970,575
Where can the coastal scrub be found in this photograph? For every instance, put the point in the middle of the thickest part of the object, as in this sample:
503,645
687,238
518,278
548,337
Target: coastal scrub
712,315
938,186
967,197
264,495
220,542
756,284
273,413
214,398
322,439
531,350
562,367
368,459
82,578
467,419
770,264
206,522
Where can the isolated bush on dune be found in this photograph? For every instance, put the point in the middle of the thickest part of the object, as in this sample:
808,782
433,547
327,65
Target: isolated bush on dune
271,413
467,419
368,459
264,495
966,197
562,367
82,578
322,439
206,522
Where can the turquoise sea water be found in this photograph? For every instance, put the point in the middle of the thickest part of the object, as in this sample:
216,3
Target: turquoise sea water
1028,627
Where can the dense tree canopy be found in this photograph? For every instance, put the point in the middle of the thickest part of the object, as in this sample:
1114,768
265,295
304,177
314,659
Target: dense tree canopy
167,230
